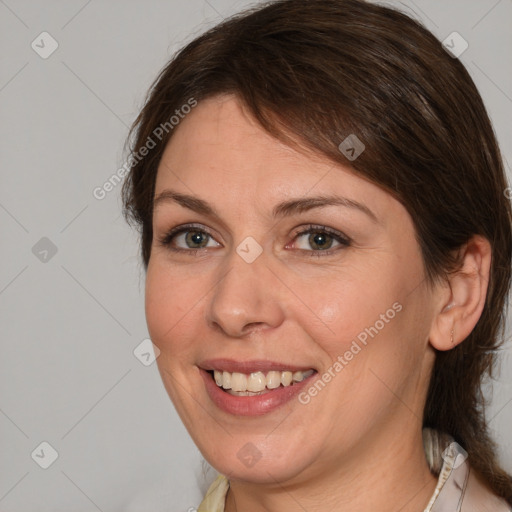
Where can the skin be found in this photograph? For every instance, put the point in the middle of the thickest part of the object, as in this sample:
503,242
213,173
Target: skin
357,445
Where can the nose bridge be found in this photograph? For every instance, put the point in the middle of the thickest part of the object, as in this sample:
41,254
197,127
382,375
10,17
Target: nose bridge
245,297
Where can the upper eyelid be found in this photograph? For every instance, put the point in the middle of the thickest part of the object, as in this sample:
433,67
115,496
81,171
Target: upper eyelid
178,230
172,233
318,227
298,231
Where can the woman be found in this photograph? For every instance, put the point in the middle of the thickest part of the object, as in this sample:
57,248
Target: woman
328,245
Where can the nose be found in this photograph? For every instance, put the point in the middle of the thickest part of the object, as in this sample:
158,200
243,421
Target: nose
245,299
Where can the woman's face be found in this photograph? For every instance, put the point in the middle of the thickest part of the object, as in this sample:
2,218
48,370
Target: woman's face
292,263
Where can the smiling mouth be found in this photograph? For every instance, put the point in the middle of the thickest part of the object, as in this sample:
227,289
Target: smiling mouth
257,383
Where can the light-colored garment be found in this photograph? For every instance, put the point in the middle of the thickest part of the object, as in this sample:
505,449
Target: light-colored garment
215,498
457,490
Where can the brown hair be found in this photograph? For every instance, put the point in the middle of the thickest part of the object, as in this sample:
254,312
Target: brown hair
316,71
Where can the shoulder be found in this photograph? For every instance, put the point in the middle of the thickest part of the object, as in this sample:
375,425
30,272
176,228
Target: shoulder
463,490
460,488
478,497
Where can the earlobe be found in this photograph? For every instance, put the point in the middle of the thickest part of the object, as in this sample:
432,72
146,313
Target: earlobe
462,299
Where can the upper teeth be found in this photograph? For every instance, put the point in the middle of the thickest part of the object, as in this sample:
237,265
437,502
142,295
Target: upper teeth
258,381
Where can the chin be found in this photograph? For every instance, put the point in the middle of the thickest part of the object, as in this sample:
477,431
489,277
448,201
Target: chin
258,460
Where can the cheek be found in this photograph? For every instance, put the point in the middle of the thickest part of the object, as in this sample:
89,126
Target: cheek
329,312
369,317
344,307
169,307
157,303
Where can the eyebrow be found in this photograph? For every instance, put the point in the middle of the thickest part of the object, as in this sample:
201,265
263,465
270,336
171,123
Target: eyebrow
286,208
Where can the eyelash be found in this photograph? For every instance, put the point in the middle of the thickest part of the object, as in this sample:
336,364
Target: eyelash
167,238
342,239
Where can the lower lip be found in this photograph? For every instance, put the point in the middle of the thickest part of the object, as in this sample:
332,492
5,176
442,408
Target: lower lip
255,405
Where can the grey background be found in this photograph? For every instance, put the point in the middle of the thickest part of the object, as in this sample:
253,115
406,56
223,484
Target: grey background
70,323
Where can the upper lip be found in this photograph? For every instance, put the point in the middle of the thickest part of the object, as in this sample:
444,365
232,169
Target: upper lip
257,365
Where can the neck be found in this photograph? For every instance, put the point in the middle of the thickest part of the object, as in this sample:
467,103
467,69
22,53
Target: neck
389,474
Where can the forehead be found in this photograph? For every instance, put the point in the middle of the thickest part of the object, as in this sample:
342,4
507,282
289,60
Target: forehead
219,133
218,150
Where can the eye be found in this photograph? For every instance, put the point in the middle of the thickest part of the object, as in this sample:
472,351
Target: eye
188,238
316,239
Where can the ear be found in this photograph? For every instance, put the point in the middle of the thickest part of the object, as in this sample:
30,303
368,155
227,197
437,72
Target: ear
461,301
